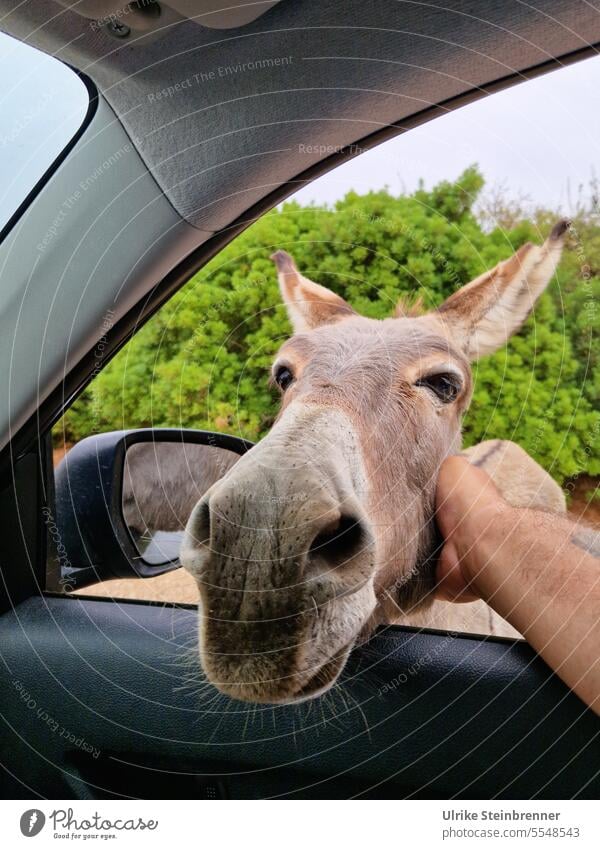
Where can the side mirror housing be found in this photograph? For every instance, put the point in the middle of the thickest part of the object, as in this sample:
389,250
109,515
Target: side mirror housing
122,500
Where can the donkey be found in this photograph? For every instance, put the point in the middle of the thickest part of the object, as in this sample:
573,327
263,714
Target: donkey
325,529
162,481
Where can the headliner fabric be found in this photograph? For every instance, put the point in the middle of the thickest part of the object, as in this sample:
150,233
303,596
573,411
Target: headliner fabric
222,118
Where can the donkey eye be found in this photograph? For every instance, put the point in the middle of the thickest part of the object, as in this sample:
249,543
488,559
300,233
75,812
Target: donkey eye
283,377
445,385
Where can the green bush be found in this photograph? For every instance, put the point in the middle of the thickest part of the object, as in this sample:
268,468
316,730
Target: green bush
203,360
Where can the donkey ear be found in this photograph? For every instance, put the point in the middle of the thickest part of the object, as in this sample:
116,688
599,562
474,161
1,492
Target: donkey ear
483,314
308,304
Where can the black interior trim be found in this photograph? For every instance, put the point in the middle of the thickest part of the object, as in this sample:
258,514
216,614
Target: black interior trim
23,537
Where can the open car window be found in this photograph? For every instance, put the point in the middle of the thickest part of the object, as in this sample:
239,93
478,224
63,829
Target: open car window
204,360
42,105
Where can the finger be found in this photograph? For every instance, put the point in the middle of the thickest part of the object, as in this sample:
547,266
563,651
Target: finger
451,584
461,488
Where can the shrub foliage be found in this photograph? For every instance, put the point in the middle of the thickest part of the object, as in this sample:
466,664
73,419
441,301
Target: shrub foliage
203,361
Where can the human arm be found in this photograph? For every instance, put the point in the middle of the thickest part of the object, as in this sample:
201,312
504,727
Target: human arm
538,570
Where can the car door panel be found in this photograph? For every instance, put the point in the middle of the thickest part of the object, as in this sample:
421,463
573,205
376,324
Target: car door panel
116,705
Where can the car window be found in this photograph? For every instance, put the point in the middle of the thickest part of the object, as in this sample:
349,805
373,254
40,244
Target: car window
413,220
42,105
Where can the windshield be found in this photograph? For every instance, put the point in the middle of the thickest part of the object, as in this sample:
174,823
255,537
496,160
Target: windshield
42,106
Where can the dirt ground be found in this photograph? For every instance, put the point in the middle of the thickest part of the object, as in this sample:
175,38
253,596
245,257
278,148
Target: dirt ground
59,453
180,588
176,587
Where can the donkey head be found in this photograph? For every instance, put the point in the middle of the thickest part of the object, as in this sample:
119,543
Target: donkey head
326,528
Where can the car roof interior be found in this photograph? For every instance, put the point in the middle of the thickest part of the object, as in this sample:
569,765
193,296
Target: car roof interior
351,70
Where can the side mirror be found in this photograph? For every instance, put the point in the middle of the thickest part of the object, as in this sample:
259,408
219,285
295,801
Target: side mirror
123,499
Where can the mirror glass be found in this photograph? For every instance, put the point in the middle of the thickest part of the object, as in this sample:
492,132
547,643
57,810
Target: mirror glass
162,481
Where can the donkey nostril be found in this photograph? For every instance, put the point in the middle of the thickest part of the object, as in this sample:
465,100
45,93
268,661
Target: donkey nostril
339,541
201,523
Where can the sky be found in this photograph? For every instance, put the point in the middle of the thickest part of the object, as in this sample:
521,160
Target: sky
539,140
